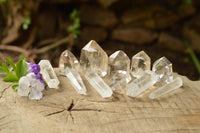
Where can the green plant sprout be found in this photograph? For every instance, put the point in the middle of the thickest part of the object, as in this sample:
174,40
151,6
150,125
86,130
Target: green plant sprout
26,23
14,71
75,27
194,57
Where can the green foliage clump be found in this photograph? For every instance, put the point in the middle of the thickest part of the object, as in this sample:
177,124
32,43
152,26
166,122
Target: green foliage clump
3,1
75,27
14,71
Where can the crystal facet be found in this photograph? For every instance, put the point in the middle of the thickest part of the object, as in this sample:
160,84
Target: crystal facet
76,81
176,83
67,59
48,74
69,66
94,58
140,63
163,69
98,84
139,85
118,70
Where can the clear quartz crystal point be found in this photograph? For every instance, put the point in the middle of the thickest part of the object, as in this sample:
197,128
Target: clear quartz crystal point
94,58
69,66
48,74
98,84
118,70
163,69
176,83
137,86
140,63
67,59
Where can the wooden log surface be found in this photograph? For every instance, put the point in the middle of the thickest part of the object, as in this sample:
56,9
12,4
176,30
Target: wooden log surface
64,110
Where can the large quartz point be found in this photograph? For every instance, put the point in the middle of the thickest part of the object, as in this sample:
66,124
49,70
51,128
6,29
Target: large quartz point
140,63
139,85
118,70
98,84
176,83
69,66
48,74
163,69
94,59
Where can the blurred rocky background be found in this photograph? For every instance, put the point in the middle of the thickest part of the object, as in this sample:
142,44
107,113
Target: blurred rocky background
38,29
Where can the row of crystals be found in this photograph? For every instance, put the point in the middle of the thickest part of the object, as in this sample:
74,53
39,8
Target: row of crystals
114,73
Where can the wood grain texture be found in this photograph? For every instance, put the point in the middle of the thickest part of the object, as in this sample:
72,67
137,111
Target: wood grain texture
63,110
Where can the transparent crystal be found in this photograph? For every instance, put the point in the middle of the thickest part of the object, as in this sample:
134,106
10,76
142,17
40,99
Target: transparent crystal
69,66
67,59
163,69
140,63
94,58
76,81
137,86
118,70
176,83
48,74
98,84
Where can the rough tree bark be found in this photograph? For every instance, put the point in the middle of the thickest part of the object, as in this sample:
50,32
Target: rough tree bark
64,110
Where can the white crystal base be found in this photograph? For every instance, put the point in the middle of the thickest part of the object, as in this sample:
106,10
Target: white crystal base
98,84
176,83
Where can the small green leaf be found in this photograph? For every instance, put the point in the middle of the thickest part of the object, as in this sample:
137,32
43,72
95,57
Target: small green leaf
5,68
15,87
21,68
11,77
12,64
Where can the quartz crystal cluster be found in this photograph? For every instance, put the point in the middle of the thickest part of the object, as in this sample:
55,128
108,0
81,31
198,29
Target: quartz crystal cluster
115,73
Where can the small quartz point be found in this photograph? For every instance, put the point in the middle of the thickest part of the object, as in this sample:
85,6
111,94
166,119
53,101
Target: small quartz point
118,70
98,84
137,86
48,74
94,58
163,69
69,66
140,63
176,83
67,59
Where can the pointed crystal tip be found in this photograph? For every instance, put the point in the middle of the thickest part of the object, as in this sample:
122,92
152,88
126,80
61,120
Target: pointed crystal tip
94,58
163,69
67,59
119,62
118,70
140,63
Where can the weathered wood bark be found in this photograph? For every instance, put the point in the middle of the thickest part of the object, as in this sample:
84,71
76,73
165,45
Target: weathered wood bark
63,110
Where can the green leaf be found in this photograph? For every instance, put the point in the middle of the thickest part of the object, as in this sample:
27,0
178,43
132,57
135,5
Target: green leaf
21,68
1,69
10,69
5,68
11,77
15,87
12,64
